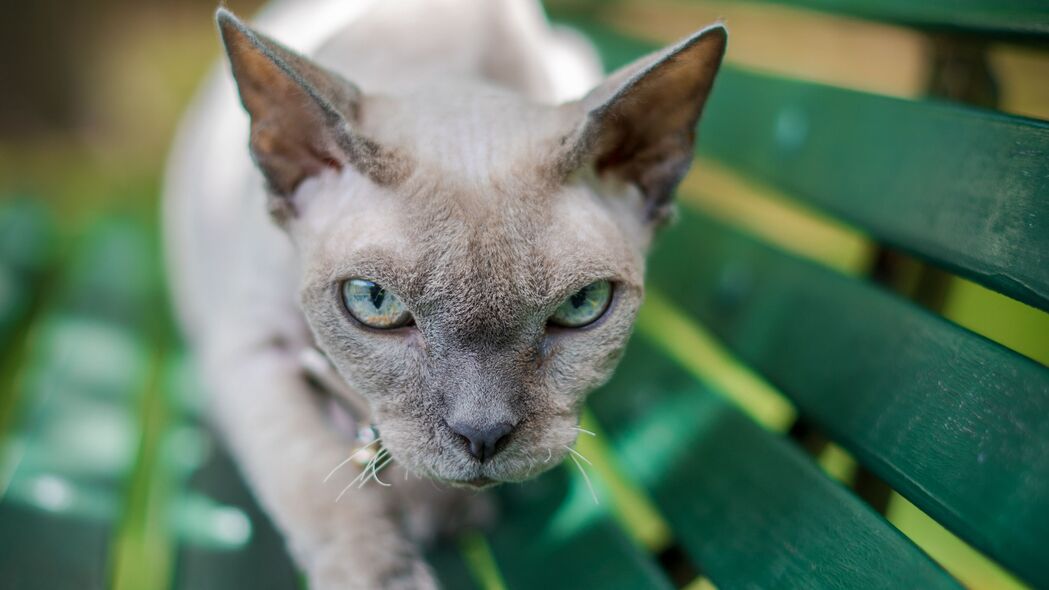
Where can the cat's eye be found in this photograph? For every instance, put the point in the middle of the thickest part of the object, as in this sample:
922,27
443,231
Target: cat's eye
584,306
374,306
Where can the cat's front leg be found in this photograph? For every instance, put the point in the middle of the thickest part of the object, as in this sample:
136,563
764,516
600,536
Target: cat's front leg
284,445
378,567
367,550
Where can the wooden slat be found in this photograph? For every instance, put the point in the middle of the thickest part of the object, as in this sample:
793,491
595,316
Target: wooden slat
66,464
117,278
449,566
819,47
998,18
963,188
260,561
749,205
224,539
955,422
750,508
551,535
27,234
27,245
27,251
43,551
1023,17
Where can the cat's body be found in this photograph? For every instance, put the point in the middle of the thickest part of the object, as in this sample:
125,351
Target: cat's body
447,173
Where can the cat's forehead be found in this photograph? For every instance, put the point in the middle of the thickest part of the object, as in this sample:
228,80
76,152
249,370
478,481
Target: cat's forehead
471,134
501,241
477,227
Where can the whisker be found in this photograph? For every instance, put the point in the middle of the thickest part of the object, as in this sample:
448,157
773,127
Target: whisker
337,467
347,460
578,454
584,430
349,485
367,466
549,455
371,470
364,472
379,458
375,473
586,478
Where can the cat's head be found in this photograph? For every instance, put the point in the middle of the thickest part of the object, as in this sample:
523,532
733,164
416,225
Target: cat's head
472,262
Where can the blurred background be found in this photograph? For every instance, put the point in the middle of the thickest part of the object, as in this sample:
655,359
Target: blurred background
108,477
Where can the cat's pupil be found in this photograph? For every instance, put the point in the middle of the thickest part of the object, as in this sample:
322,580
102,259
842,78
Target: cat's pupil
376,294
580,297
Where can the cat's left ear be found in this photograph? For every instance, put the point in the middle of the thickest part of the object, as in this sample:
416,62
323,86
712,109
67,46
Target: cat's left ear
302,116
640,123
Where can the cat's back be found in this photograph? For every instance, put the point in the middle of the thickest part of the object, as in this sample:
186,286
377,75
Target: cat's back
221,247
405,46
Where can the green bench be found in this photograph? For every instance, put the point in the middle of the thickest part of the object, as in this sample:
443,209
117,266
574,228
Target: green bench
770,402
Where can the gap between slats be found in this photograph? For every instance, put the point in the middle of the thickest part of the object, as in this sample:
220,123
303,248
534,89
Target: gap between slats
843,51
775,218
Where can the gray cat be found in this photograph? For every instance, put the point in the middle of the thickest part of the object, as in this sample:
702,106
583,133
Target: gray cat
450,203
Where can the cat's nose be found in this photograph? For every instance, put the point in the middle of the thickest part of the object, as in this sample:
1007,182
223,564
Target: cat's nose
483,441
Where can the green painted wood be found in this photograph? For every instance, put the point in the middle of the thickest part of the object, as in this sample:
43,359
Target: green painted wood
27,245
210,558
1025,19
27,234
66,464
965,189
116,275
551,535
1022,17
450,567
41,551
222,537
748,506
958,424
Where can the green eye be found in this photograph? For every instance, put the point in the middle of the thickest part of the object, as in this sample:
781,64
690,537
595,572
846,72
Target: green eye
374,306
584,306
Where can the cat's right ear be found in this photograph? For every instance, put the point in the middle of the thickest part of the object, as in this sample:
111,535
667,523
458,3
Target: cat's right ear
302,115
639,125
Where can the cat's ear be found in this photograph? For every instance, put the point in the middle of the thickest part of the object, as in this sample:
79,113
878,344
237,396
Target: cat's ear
640,123
302,115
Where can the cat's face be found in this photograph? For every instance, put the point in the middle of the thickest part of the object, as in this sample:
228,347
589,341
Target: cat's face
479,261
472,263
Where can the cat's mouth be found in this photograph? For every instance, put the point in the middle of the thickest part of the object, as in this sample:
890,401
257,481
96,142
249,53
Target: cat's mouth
480,482
477,483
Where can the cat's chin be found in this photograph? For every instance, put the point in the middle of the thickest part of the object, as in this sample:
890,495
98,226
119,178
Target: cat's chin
477,483
481,482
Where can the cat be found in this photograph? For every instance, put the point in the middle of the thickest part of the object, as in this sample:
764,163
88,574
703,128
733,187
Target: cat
449,202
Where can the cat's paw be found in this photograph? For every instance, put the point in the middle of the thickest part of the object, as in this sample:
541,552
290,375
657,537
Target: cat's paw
344,569
417,576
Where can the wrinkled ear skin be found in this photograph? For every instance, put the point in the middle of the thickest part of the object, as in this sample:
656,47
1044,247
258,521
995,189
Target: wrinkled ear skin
640,124
301,115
